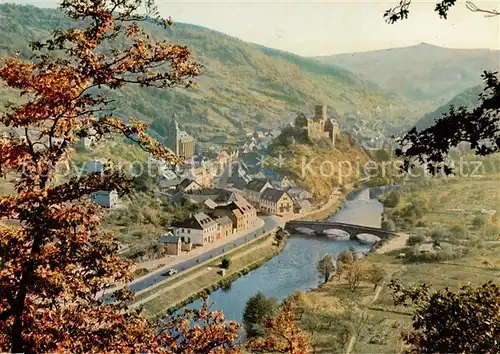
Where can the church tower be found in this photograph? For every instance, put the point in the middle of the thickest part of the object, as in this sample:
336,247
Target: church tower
173,136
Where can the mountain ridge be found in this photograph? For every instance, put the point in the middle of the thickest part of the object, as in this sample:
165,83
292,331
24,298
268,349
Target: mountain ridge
243,85
419,45
468,98
425,73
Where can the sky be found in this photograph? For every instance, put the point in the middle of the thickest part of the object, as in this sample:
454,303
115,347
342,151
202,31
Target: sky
313,28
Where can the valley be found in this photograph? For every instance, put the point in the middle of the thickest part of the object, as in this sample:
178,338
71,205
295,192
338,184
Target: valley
261,202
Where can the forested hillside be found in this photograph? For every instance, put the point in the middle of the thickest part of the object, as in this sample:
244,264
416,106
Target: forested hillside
243,85
426,74
468,98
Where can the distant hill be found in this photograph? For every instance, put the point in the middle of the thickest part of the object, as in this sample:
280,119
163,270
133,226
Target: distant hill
243,86
423,73
467,98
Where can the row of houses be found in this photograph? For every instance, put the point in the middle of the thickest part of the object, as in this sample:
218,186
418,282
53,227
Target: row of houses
202,169
222,216
265,197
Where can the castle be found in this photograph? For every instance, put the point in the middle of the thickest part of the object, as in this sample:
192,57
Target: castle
320,126
180,142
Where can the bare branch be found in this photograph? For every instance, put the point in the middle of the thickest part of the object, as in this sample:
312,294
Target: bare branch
489,13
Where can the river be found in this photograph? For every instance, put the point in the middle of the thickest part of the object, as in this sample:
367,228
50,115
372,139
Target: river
295,268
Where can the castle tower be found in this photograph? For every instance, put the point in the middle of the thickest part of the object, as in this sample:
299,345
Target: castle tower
320,112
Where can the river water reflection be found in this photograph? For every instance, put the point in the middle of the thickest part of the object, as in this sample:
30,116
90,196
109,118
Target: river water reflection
295,268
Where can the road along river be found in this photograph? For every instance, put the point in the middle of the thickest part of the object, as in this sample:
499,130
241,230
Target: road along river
295,268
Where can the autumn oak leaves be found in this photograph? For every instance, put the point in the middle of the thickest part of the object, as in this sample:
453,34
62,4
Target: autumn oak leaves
55,257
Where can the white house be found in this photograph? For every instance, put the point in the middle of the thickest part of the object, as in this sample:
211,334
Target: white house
188,185
297,193
276,201
106,199
200,228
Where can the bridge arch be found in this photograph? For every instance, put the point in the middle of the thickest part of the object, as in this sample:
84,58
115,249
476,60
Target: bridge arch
354,231
337,234
305,230
367,238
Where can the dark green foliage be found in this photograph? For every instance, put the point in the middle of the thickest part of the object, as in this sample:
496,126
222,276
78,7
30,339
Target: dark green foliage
289,136
440,235
226,286
391,200
479,221
144,183
225,262
388,224
326,267
477,126
401,11
414,255
410,215
467,321
257,308
280,235
161,126
382,155
415,240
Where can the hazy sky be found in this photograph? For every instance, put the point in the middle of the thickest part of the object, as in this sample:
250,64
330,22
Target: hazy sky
311,28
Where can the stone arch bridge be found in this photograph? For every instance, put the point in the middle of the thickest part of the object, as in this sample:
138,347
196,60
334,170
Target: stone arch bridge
320,227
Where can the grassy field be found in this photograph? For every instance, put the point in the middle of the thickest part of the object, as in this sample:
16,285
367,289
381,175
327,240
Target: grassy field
371,316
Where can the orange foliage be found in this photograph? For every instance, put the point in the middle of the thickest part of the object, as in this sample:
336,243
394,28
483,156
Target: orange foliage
55,258
281,334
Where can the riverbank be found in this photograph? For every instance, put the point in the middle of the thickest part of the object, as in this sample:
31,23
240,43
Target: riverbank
205,279
177,291
371,321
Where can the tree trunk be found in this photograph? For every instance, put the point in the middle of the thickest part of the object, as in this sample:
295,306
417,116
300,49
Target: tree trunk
17,342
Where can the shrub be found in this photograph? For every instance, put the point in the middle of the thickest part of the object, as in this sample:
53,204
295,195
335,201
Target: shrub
225,263
388,224
391,200
439,235
421,223
139,272
458,231
415,240
479,221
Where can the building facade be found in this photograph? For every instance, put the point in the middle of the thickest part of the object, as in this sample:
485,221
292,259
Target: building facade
235,215
180,142
276,201
254,189
200,228
188,185
226,226
173,244
106,199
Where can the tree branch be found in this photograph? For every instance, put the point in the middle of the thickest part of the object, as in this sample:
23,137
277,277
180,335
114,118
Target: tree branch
489,13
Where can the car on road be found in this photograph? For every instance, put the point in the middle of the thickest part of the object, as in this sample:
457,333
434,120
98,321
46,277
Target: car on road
171,271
